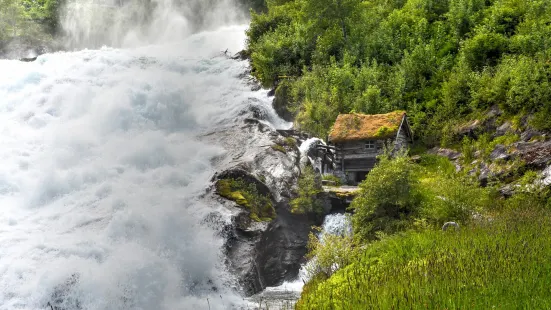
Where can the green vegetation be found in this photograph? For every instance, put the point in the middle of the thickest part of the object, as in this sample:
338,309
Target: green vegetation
443,61
332,178
398,194
279,148
386,200
398,256
309,190
285,145
29,21
290,142
501,264
246,195
327,252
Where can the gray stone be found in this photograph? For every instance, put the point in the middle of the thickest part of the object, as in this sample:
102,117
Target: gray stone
450,154
504,129
450,224
534,154
485,175
529,133
268,253
470,130
507,191
500,152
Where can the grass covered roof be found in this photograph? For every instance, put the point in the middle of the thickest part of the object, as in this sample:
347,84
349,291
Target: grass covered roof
354,127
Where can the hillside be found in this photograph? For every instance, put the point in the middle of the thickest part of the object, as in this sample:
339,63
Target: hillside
445,62
474,77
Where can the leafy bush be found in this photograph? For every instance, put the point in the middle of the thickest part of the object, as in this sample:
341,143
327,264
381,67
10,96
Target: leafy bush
328,253
387,200
333,178
453,198
309,188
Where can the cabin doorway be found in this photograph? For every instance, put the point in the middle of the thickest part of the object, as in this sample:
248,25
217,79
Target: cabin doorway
360,176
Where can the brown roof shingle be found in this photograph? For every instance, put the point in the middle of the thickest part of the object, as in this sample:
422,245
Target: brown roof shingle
353,127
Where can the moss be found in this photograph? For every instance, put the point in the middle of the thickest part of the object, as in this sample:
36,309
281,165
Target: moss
246,195
507,140
385,131
290,141
350,127
345,195
279,148
224,189
342,194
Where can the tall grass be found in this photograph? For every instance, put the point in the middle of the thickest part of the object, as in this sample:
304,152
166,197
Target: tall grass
503,263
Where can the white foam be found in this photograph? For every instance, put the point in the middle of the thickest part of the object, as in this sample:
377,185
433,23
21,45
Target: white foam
101,174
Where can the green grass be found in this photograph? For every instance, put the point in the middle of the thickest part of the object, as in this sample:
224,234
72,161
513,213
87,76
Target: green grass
498,264
246,195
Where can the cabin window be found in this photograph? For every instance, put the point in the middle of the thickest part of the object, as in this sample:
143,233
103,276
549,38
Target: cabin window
370,145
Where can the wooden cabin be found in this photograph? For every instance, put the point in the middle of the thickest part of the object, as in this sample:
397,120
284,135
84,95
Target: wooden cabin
360,138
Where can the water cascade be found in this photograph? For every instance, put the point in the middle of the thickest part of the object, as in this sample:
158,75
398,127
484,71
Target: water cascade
103,173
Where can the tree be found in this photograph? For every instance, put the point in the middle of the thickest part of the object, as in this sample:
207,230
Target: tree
322,14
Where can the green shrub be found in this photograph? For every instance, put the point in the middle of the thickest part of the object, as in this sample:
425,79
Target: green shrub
387,200
328,253
333,178
484,49
309,189
453,198
467,149
246,195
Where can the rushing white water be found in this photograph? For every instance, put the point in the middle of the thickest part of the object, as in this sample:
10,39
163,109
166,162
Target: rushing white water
131,23
102,171
306,149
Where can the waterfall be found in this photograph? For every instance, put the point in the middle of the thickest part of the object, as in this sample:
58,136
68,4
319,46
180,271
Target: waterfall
103,170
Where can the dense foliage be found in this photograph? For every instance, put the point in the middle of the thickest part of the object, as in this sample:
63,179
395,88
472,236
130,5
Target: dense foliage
397,195
29,21
443,61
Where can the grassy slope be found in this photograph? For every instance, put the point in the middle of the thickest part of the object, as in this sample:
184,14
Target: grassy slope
503,264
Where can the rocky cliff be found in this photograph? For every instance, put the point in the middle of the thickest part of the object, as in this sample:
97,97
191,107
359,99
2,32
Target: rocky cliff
261,253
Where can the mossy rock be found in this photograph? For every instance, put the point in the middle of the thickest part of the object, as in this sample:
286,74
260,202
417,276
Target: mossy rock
247,195
223,188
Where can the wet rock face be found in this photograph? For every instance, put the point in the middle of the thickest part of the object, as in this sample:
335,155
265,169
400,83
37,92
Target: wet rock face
282,248
261,254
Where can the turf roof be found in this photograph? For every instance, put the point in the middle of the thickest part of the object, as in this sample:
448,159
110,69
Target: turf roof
354,127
